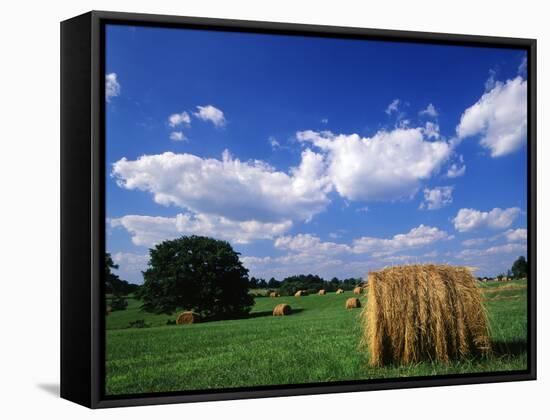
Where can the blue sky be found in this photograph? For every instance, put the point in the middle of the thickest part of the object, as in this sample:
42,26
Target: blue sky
313,155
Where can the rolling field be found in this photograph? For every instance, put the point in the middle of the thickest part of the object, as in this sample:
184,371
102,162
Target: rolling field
317,343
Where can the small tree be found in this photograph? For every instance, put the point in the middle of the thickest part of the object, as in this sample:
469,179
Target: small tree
272,283
520,268
196,273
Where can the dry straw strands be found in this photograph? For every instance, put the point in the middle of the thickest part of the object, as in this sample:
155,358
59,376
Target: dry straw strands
282,309
353,303
339,291
187,317
322,292
424,313
357,290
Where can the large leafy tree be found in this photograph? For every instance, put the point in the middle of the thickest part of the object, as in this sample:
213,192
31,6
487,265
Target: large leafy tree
519,268
196,273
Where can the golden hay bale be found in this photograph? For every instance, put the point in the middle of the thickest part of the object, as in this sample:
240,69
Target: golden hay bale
108,310
274,294
300,293
322,292
339,291
424,313
357,291
187,317
282,309
353,303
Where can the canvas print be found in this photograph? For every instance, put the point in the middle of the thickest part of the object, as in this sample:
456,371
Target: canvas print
285,210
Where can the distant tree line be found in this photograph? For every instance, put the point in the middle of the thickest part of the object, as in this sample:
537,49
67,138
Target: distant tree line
312,283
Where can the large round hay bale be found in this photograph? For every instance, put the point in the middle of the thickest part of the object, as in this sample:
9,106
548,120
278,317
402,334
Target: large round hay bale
187,317
424,313
282,309
357,290
300,293
339,291
353,303
322,292
274,294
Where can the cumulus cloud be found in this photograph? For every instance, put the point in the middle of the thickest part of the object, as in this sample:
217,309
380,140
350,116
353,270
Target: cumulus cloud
236,190
149,230
494,250
431,130
499,117
430,111
393,107
437,197
130,265
177,136
388,166
457,169
522,69
307,253
471,219
212,114
516,235
112,86
417,237
175,120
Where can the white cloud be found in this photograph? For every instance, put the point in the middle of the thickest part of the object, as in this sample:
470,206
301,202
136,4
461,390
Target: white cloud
522,69
306,243
324,120
474,241
275,145
499,117
175,120
431,130
471,219
430,111
494,250
149,230
112,86
490,83
393,106
388,166
236,190
417,237
457,169
437,198
130,265
212,114
177,136
516,235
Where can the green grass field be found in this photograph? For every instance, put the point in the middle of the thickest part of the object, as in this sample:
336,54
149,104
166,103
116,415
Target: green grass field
318,343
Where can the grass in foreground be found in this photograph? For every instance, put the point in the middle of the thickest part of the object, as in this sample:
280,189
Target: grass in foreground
318,343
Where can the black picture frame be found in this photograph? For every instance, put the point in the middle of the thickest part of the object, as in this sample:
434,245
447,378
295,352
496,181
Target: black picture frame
83,210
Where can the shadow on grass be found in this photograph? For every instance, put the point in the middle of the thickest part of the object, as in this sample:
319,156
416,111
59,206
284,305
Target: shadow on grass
509,348
270,313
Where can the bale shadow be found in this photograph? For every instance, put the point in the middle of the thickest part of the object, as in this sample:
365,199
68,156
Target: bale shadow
270,313
509,348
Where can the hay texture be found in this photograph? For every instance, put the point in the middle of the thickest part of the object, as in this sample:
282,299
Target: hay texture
357,291
424,313
322,292
339,291
187,317
300,293
353,303
282,309
274,294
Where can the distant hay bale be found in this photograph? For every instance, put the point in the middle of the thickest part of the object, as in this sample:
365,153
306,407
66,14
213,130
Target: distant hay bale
424,313
322,292
282,309
339,291
357,290
353,303
274,294
108,310
187,317
300,293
